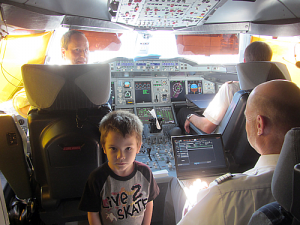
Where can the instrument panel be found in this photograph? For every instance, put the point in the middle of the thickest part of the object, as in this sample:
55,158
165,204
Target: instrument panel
159,65
157,90
162,86
140,95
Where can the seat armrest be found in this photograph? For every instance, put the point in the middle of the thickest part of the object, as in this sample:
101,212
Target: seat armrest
196,129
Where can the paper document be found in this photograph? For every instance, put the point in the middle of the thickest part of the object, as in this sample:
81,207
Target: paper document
153,114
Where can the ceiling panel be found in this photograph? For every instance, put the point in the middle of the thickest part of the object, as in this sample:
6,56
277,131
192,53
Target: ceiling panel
243,11
86,8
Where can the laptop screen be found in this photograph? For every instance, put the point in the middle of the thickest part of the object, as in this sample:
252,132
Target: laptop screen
199,156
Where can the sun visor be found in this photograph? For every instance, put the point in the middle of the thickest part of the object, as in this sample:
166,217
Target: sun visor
44,84
251,74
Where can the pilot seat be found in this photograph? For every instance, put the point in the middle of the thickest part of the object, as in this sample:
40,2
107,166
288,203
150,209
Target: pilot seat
239,152
285,186
68,102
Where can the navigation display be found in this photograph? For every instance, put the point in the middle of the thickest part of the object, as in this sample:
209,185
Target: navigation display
177,91
195,87
142,91
166,113
144,114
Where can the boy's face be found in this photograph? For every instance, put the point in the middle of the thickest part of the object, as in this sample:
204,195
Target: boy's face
121,152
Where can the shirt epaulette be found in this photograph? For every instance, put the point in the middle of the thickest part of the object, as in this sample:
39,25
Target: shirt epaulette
224,177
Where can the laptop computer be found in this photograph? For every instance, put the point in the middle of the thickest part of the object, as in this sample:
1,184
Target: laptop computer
198,156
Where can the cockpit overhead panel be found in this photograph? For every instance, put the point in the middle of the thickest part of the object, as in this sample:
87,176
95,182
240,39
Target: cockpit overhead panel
147,14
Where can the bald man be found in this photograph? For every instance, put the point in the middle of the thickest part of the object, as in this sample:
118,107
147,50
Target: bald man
272,109
74,49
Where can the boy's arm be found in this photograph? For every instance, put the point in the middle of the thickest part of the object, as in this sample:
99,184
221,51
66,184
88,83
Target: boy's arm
94,218
148,213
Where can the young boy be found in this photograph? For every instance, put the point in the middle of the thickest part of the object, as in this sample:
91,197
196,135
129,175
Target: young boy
122,190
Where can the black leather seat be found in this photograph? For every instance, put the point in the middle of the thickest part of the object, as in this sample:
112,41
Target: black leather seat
285,186
68,104
239,152
251,74
295,207
14,163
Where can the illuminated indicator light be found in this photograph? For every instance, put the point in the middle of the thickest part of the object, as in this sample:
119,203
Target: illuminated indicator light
127,14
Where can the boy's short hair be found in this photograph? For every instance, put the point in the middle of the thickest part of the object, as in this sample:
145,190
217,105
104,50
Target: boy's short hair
121,122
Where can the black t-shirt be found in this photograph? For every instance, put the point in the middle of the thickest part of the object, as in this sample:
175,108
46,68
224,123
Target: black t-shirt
119,199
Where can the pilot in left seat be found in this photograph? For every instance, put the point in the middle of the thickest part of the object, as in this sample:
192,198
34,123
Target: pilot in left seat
74,49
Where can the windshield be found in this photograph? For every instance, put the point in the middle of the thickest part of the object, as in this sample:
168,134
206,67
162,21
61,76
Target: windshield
134,44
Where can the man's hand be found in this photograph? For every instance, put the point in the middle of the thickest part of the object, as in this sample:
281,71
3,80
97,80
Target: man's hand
187,126
201,123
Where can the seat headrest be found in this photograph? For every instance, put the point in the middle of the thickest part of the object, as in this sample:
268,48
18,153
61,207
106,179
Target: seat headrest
282,181
251,74
45,83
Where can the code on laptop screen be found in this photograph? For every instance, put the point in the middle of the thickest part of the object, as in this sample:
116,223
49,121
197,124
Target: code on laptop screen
199,155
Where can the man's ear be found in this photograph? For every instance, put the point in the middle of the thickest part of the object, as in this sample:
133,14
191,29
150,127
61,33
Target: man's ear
260,125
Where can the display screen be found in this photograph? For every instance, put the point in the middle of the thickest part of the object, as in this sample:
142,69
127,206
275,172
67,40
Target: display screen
144,114
112,94
166,113
140,64
199,154
195,87
155,64
177,90
142,91
126,64
127,84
